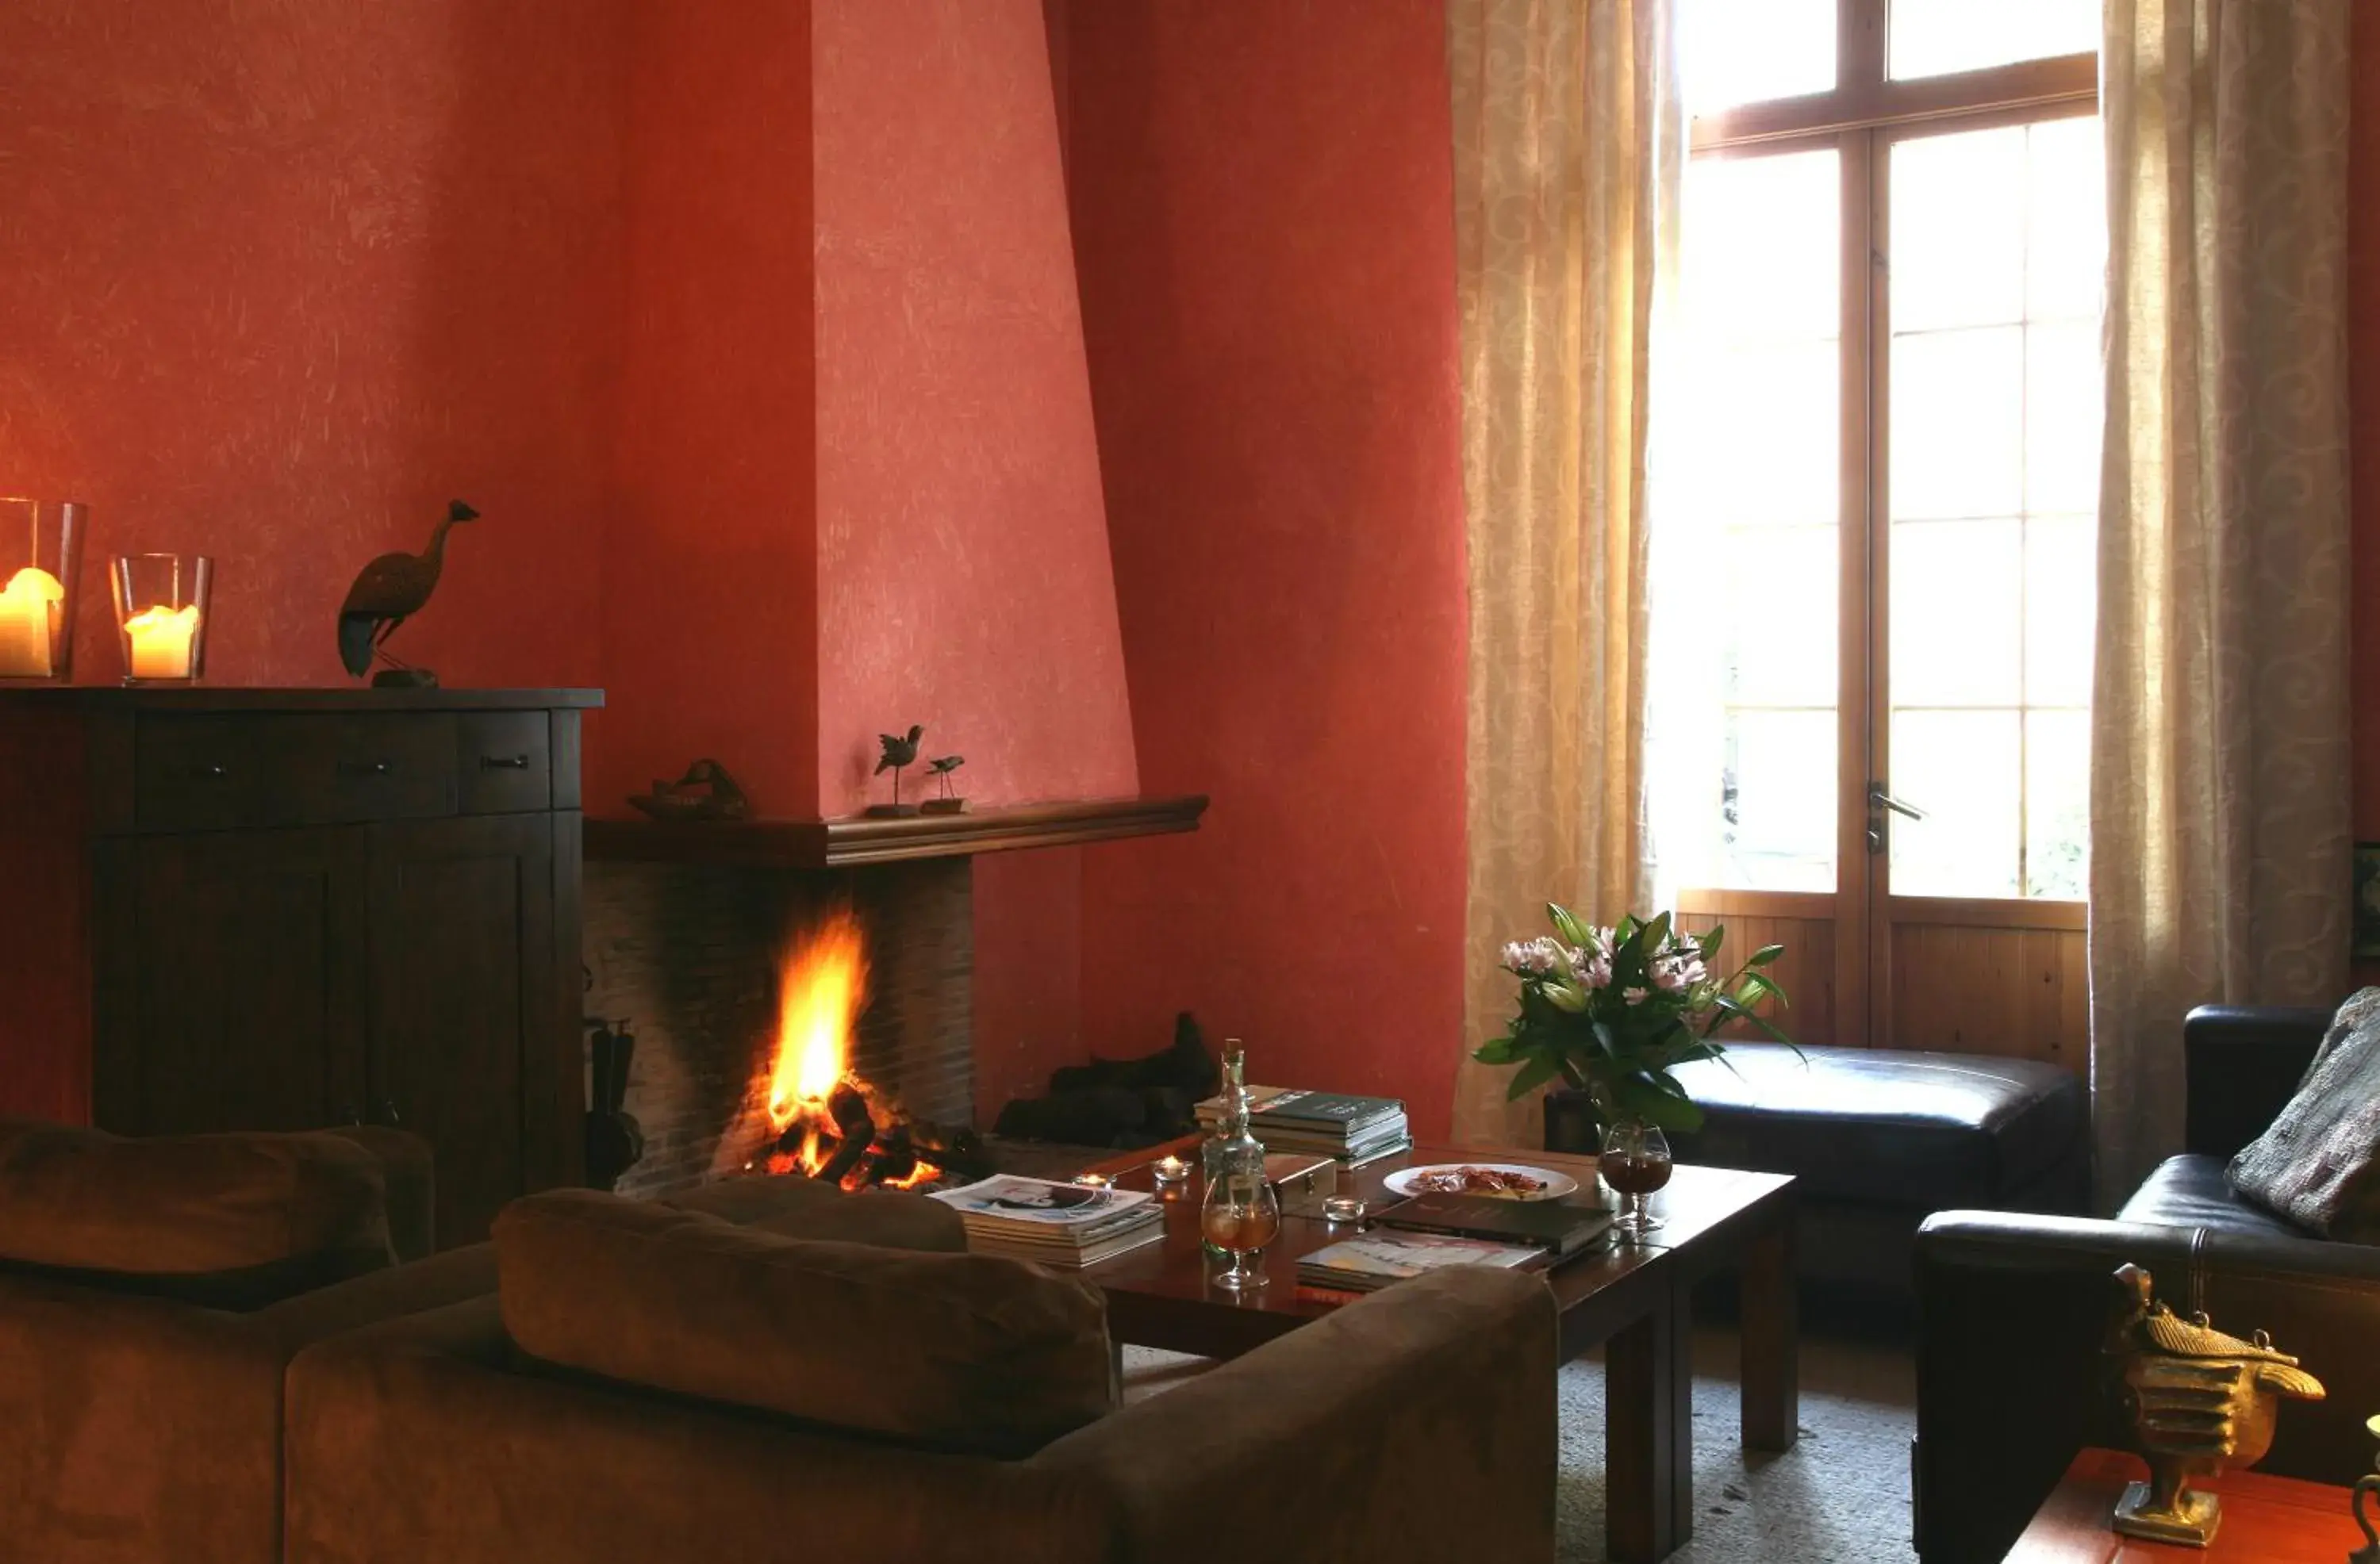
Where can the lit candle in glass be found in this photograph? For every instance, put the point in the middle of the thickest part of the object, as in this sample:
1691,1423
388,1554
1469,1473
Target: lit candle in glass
1093,1180
40,547
1170,1170
161,614
26,614
158,641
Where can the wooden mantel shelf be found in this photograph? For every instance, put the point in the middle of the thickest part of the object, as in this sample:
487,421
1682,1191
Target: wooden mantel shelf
856,839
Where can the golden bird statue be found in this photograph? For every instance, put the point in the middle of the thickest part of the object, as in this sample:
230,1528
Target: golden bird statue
386,593
2201,1402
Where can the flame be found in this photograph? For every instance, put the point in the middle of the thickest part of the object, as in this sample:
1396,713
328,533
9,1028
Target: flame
822,988
818,994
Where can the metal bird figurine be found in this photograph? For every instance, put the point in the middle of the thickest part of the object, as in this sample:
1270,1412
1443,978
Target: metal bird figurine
949,803
390,590
899,751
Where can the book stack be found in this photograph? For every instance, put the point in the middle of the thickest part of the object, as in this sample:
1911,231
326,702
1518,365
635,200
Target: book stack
1356,1130
1057,1224
1378,1259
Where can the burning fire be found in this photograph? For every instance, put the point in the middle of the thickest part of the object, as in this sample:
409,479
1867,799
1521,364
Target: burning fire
812,1101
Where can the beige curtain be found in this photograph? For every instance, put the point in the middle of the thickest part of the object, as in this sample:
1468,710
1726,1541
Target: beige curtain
1567,158
2219,805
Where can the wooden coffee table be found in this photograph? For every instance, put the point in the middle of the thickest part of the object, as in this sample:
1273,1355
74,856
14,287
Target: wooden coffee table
1632,1301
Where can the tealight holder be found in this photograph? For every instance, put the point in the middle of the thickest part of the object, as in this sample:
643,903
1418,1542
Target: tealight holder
40,559
1092,1180
162,616
1170,1172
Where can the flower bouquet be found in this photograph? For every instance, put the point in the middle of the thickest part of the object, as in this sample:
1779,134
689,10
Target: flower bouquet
1611,1012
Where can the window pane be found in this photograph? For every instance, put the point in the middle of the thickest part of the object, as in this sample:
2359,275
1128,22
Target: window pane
2066,228
2057,803
2061,571
1763,250
2065,403
1957,623
1958,424
1755,490
1774,415
1780,581
1779,801
1996,393
1733,52
1961,768
1958,230
1933,37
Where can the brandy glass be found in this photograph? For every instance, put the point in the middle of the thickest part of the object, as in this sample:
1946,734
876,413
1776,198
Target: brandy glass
1635,1163
1240,1216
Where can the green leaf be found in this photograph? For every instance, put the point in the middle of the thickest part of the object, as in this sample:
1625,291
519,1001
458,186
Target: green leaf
1766,954
1496,1050
1532,1075
1710,942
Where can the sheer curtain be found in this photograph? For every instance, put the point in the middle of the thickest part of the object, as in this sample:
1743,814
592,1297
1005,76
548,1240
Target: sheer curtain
1568,149
2219,805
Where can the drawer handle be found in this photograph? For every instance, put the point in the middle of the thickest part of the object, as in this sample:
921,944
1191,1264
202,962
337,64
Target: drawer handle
208,773
364,768
504,762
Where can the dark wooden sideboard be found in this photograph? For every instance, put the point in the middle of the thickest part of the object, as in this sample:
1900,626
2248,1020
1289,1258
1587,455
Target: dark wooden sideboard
282,909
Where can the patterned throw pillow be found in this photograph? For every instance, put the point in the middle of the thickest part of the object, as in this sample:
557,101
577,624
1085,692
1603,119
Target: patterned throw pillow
2319,1164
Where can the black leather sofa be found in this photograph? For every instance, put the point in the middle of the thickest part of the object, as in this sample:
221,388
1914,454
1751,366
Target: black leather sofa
2013,1310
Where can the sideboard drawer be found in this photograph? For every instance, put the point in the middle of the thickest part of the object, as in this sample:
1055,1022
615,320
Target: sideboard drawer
506,762
203,774
353,768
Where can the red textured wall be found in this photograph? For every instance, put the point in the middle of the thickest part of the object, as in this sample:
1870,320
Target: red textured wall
710,598
964,579
281,278
1262,203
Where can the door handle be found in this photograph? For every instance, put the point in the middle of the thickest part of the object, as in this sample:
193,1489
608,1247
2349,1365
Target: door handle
504,762
1879,799
365,767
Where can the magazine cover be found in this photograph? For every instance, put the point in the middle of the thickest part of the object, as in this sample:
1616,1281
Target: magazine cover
1403,1255
1014,1198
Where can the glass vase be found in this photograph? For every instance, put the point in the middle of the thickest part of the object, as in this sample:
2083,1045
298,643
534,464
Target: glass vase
162,616
1634,1164
41,577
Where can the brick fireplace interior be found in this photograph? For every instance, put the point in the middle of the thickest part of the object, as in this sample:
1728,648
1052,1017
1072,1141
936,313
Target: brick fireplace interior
687,955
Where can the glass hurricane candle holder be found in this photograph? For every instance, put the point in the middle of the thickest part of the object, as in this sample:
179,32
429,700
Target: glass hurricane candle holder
162,616
40,558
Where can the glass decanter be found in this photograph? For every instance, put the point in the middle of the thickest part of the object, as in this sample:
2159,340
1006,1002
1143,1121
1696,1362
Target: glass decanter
1233,1142
1240,1216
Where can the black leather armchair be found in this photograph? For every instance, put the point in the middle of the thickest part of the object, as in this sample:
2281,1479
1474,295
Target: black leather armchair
2013,1310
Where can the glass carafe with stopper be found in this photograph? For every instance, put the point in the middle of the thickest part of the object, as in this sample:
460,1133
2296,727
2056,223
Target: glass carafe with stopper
1241,1214
1233,1146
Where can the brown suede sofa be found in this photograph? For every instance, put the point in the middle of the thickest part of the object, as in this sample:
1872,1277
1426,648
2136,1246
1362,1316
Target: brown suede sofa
152,1293
647,1386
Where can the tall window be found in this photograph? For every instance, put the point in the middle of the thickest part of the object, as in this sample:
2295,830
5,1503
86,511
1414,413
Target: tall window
1888,393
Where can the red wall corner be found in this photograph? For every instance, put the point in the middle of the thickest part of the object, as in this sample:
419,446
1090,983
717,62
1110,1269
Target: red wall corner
1263,217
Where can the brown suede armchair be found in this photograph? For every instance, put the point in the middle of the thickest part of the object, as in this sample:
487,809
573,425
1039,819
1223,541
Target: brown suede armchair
1415,1425
140,1393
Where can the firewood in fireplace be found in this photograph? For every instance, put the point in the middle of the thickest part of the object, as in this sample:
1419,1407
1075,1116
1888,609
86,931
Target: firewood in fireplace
854,1124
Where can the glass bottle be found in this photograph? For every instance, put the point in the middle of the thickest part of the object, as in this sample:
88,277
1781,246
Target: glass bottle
1233,1146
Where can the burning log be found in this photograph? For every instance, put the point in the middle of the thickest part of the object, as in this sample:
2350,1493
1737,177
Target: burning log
856,1127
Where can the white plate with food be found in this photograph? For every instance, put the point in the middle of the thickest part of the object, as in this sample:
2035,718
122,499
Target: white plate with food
1499,1180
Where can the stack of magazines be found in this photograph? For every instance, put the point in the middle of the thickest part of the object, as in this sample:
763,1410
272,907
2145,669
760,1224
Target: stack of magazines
1379,1257
1057,1224
1356,1130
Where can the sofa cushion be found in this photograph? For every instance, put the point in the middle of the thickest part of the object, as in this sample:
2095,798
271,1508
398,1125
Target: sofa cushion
2194,1191
1923,1131
2319,1163
955,1351
233,1222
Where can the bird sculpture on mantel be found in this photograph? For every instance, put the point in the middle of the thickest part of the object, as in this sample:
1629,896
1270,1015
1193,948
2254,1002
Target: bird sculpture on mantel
390,590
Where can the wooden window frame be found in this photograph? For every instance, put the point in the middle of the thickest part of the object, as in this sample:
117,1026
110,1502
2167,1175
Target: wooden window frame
1862,117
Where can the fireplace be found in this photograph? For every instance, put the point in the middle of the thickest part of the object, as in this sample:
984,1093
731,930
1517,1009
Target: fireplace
865,977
